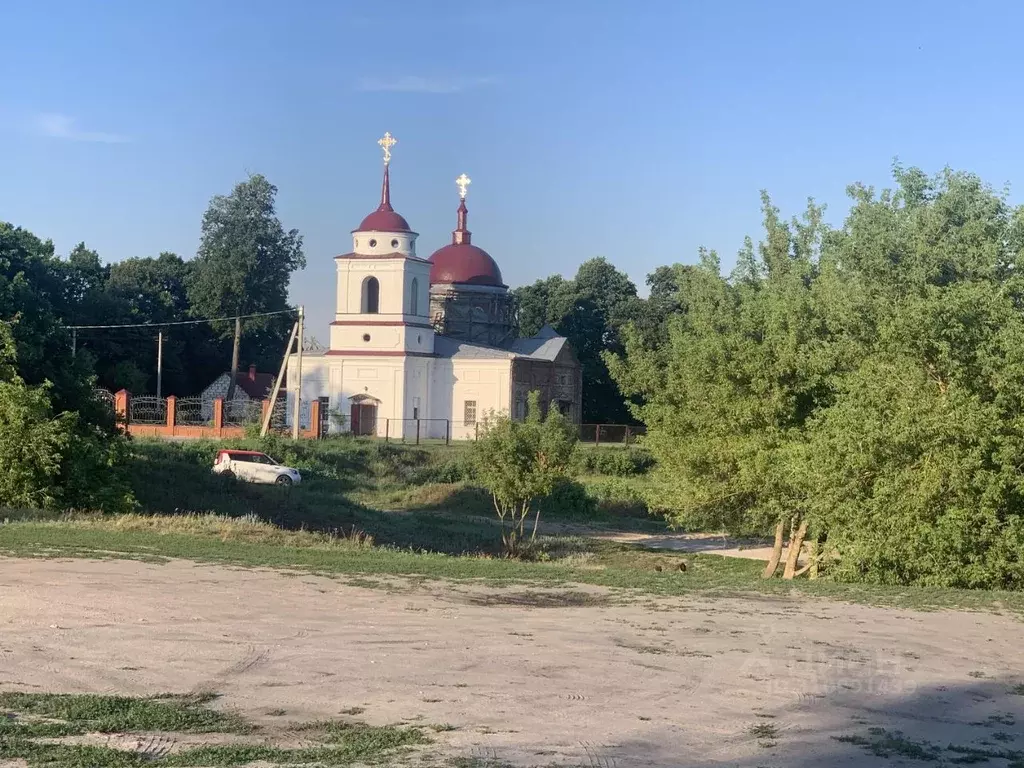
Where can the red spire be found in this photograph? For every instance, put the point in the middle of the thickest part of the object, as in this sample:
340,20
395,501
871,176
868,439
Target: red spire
461,235
385,191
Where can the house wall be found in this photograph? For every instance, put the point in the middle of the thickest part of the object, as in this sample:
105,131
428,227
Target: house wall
558,380
487,383
438,388
340,378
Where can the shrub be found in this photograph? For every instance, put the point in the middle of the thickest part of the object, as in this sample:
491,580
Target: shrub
569,498
52,460
619,462
520,463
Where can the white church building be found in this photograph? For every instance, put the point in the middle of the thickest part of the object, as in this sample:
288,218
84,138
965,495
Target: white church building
428,346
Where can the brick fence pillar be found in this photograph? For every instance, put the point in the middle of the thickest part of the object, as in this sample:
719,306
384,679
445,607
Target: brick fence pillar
218,416
122,406
314,420
172,407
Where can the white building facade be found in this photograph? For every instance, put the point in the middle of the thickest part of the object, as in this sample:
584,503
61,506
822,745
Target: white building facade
390,372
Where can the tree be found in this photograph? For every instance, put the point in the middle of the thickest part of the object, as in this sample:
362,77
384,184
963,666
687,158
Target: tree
520,463
725,398
862,387
245,261
590,310
52,460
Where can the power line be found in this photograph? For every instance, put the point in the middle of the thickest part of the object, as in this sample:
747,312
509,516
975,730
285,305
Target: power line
181,322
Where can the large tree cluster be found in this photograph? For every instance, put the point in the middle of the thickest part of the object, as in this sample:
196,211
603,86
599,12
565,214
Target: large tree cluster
861,388
59,446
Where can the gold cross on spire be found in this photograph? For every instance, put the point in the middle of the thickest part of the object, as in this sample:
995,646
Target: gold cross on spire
462,182
386,143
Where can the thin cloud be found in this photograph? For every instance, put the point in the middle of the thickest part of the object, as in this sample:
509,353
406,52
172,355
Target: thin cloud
54,125
419,84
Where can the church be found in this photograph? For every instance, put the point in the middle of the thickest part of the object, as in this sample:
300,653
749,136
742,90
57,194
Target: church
430,346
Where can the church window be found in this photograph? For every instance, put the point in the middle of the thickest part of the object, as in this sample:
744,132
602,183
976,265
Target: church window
414,298
469,412
371,296
373,243
366,337
394,243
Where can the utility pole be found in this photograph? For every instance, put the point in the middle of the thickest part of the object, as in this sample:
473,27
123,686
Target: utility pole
297,405
74,342
277,382
159,363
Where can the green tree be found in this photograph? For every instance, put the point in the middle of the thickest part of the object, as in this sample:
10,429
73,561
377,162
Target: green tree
52,460
590,310
245,261
726,397
520,463
863,386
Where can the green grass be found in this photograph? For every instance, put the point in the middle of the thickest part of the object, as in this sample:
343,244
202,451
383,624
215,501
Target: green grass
251,543
31,717
888,744
420,509
111,714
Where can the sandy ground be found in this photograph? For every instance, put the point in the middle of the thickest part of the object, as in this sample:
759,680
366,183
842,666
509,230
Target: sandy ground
703,543
531,677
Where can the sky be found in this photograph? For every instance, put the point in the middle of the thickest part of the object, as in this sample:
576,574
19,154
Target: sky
636,131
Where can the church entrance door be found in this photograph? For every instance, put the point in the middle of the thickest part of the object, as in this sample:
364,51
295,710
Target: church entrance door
364,419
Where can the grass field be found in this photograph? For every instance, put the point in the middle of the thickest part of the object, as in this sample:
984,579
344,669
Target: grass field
575,560
383,510
40,729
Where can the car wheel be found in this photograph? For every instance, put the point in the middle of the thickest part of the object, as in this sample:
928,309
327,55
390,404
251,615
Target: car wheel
283,480
227,473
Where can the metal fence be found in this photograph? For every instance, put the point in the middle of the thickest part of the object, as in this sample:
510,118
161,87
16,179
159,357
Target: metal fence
104,396
418,431
193,412
611,434
146,409
239,413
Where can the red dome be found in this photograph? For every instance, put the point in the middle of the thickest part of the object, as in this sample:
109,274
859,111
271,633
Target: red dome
464,263
384,220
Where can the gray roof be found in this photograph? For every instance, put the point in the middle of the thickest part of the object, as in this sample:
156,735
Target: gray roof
446,346
546,345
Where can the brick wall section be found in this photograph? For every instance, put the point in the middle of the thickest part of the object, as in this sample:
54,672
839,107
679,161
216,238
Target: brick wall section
122,407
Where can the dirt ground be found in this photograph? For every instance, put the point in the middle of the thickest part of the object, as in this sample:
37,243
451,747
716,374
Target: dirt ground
530,677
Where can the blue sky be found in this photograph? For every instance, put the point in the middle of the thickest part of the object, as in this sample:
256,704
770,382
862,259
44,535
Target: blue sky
635,131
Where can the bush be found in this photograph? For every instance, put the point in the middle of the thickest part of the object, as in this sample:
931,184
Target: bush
569,498
52,460
520,463
619,462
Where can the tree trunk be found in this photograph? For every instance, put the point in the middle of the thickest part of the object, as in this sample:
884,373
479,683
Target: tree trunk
796,543
234,360
773,561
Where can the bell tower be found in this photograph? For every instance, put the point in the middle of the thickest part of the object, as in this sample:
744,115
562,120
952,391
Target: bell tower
383,288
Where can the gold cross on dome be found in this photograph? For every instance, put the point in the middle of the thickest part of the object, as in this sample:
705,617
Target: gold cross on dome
386,143
462,182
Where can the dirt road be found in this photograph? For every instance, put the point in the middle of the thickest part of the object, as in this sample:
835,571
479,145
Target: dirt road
576,677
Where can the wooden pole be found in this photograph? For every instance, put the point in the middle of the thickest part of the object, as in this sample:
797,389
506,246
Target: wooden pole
297,405
277,384
159,363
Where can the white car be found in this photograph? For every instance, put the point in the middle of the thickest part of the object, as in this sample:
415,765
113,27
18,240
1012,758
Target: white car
255,467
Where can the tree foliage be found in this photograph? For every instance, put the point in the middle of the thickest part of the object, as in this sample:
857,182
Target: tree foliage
521,463
245,260
863,385
589,310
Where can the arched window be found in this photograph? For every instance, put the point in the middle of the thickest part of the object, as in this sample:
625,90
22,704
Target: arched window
414,299
371,296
